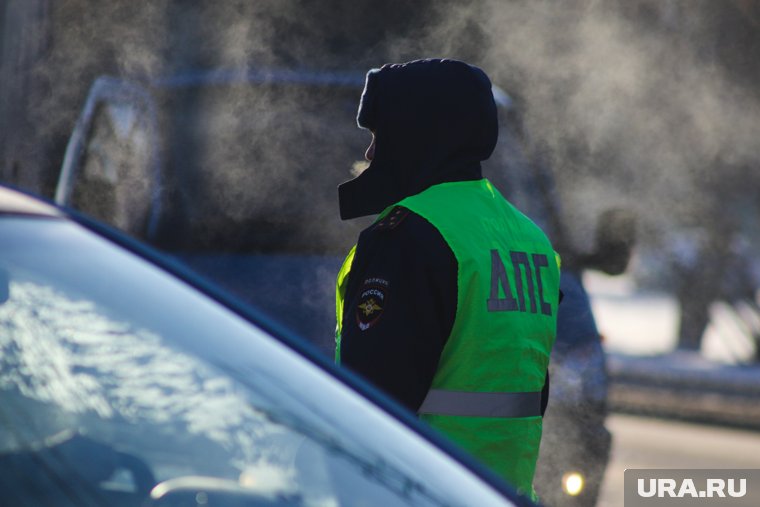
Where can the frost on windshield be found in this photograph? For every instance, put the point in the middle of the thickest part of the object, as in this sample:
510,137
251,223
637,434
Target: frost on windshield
71,356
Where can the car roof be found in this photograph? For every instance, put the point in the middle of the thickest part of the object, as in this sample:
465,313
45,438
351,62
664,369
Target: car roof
18,203
262,76
275,76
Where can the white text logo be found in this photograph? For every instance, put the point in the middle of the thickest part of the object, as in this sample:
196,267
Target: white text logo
716,488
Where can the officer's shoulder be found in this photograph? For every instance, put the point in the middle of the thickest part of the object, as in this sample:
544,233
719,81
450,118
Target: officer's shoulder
403,230
403,226
392,220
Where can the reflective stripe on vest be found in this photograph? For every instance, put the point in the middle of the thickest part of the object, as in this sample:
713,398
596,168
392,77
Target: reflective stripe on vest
478,404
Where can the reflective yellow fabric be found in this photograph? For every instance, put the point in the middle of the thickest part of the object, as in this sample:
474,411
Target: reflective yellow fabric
340,294
505,326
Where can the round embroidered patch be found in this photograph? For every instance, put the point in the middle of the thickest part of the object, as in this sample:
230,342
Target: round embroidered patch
372,301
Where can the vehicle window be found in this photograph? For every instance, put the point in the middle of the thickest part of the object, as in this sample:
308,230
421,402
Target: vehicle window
118,381
116,181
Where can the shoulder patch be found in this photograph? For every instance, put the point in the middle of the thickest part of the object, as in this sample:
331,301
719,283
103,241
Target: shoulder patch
392,219
373,297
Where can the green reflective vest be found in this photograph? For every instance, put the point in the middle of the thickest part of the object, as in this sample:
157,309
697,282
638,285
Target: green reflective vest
486,393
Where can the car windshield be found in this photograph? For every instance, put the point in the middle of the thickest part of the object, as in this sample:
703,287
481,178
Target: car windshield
110,355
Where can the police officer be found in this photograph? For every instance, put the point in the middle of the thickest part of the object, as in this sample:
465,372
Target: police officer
448,302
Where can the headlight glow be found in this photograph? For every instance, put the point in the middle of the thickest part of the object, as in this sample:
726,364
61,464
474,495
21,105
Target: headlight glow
572,483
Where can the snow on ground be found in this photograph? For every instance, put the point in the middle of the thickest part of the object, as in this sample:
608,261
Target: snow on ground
641,323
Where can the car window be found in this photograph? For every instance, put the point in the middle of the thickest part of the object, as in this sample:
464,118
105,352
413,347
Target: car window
117,154
118,380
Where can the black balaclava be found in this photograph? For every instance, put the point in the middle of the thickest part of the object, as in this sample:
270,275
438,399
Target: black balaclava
433,120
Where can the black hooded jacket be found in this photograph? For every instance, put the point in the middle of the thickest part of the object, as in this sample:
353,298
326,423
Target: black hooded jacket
434,121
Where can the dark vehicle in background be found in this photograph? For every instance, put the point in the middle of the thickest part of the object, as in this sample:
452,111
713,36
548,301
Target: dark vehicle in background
126,380
235,174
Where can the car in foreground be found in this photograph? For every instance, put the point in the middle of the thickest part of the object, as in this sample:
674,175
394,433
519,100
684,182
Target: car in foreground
127,381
